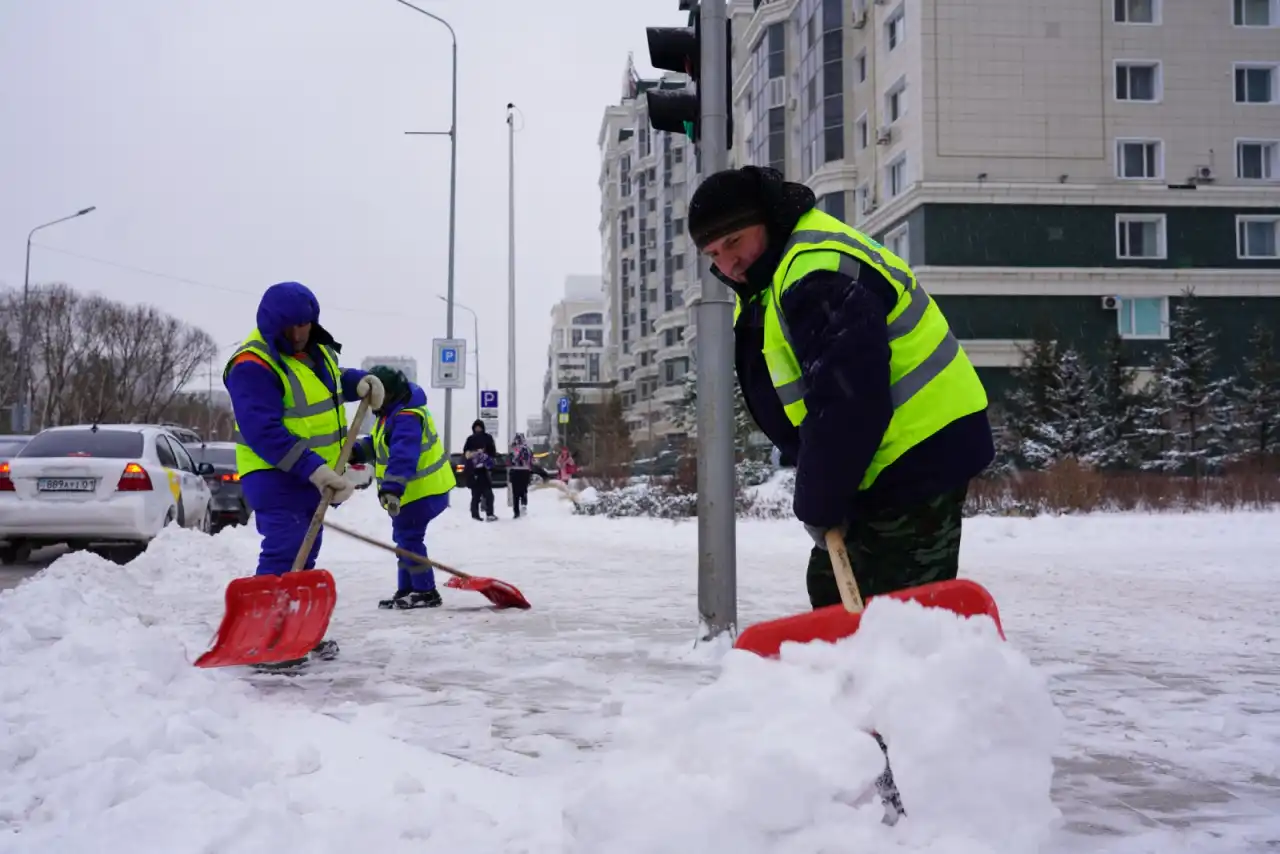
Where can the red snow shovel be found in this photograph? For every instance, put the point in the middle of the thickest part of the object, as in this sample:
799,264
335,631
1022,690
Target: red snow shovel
966,598
274,618
500,593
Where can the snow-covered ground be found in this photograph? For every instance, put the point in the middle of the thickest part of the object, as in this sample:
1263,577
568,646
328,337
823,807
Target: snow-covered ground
591,724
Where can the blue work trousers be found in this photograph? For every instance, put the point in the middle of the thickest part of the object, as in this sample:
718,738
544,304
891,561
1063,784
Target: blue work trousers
409,531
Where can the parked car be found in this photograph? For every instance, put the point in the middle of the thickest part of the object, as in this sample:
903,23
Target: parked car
10,445
228,502
99,485
498,474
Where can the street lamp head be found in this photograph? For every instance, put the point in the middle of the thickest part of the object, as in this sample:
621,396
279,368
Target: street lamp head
89,209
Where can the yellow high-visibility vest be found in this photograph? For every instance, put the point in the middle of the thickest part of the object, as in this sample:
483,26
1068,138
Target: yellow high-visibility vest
931,381
432,476
312,412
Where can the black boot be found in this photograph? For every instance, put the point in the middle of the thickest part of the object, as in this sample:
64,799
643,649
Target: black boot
406,599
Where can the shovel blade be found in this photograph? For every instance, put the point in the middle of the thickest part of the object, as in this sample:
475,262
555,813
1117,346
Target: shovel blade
500,593
832,623
273,618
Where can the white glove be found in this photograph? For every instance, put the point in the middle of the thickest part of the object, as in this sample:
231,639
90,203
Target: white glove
332,485
370,388
391,503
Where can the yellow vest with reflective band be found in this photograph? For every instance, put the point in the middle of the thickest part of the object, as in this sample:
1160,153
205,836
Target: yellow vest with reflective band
312,412
434,475
931,381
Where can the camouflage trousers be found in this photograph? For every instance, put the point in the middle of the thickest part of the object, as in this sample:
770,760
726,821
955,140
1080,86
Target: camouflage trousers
890,551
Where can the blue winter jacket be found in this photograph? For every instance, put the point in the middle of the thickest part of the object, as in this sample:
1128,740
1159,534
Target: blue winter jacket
257,396
404,440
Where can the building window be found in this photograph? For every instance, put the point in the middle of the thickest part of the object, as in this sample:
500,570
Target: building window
860,66
1146,317
896,176
895,28
899,242
1138,81
1137,11
1256,84
861,132
1139,158
673,371
1258,236
1255,13
1140,236
833,203
1256,159
895,100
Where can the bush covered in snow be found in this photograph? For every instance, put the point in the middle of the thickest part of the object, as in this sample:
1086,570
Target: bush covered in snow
762,493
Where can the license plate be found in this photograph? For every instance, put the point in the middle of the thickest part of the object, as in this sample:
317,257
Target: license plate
66,484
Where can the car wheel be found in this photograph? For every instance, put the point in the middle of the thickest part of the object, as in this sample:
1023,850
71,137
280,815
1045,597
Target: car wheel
169,517
206,522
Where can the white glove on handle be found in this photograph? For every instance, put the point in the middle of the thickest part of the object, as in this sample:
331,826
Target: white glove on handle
339,489
370,388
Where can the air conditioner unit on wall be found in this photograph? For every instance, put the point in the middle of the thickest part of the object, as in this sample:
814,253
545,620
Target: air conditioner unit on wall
1111,303
884,135
860,20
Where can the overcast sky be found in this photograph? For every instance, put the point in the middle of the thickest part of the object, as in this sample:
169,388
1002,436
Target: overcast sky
237,143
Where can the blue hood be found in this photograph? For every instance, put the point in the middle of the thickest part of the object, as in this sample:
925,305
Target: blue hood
286,304
417,397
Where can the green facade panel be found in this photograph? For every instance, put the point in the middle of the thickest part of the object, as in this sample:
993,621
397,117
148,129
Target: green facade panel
1081,322
993,235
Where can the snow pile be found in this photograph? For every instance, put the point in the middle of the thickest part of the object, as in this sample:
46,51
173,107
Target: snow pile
113,741
775,757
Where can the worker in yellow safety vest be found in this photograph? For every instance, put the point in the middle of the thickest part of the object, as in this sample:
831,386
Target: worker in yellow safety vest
414,480
851,370
287,391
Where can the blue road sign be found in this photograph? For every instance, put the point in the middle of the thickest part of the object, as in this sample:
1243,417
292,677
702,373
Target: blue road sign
448,355
564,405
489,399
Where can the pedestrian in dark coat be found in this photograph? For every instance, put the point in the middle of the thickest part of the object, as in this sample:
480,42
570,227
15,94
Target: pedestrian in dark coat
480,453
885,419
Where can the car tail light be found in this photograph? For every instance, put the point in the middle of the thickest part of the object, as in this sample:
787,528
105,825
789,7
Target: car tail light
232,477
6,484
134,479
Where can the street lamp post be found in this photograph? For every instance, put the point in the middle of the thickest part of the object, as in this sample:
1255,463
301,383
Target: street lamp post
476,320
24,370
452,133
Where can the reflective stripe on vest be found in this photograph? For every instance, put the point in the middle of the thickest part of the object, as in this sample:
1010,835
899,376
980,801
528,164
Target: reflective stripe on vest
312,412
931,380
433,475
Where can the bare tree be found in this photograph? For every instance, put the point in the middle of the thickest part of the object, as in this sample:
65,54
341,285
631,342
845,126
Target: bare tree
96,360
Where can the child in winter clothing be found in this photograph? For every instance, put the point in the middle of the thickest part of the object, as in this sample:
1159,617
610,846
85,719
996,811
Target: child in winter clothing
519,473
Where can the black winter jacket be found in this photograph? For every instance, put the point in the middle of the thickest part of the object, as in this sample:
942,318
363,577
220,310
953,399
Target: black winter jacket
839,327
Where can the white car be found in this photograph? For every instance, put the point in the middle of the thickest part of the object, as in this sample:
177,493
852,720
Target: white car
99,485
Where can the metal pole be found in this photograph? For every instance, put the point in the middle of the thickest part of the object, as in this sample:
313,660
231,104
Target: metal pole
511,273
717,570
24,370
453,209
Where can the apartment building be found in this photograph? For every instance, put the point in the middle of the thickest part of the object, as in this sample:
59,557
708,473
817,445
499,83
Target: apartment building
576,354
649,264
1070,166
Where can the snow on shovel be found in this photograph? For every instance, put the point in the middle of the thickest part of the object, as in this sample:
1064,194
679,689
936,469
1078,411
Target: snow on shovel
961,596
500,593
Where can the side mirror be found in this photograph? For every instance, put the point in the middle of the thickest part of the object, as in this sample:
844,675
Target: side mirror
204,468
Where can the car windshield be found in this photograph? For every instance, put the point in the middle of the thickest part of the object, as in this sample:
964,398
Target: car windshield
110,444
10,447
214,456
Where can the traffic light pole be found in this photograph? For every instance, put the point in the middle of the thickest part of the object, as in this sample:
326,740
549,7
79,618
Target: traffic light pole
717,558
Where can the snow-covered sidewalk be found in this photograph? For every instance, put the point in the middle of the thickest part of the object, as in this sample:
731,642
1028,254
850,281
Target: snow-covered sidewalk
580,726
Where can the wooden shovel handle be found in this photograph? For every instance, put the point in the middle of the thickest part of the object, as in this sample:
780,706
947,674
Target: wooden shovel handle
849,593
340,466
396,550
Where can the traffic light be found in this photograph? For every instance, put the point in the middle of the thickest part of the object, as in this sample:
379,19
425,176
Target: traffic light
680,49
